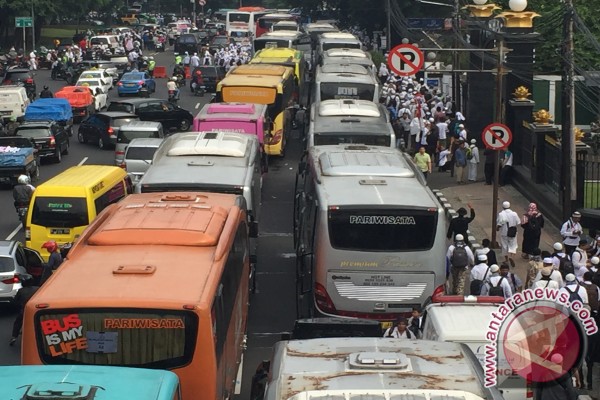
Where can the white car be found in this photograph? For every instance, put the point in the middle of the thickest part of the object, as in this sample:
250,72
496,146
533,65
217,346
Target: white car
105,78
98,91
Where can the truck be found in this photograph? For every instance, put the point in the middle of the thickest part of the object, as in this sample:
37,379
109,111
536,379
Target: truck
18,156
81,100
52,109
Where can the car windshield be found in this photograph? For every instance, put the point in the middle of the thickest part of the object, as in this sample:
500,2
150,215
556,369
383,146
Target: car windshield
88,82
60,212
187,39
117,106
7,264
208,71
219,40
34,132
118,122
132,77
17,76
140,153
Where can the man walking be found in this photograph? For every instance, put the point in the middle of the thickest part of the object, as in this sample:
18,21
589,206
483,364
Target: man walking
460,224
459,256
571,232
460,162
473,161
496,285
423,161
506,224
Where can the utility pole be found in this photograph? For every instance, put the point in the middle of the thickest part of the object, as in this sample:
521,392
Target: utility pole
569,174
499,119
456,60
388,34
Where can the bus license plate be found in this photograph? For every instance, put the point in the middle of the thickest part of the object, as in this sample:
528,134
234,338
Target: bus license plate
60,231
386,324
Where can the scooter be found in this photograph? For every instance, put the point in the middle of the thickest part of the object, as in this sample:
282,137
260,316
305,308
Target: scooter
199,90
160,46
22,213
173,96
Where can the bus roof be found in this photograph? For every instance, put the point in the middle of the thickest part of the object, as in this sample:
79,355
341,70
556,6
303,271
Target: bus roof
338,35
81,176
357,363
260,69
278,53
344,52
461,322
349,107
354,69
281,35
368,175
137,228
216,143
250,81
231,111
386,394
118,383
278,16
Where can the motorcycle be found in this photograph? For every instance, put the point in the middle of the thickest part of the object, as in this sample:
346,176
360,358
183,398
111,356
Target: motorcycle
144,92
173,96
64,249
22,210
180,80
199,90
160,46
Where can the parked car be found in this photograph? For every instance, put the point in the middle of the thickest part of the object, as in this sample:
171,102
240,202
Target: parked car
102,127
50,137
21,76
16,262
132,82
211,74
151,109
138,157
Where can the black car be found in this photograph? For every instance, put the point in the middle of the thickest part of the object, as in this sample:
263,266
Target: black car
102,128
157,110
50,138
211,75
204,37
21,76
189,42
219,42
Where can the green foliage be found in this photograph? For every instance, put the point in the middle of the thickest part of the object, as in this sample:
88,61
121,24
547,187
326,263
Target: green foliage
377,57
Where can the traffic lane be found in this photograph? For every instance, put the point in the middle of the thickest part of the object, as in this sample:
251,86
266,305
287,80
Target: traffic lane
9,355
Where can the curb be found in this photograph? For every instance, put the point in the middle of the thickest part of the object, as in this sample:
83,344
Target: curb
451,213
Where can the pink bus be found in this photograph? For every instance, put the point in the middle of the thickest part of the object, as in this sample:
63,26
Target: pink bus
233,117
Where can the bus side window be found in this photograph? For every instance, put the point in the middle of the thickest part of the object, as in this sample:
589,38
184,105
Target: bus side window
113,195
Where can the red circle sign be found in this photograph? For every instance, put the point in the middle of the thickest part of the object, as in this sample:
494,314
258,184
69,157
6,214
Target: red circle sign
405,59
496,136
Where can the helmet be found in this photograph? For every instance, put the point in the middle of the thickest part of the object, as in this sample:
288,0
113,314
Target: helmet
150,58
174,78
45,87
50,245
23,180
198,72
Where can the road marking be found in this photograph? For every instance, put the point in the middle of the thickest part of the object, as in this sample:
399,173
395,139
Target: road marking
83,161
197,106
13,233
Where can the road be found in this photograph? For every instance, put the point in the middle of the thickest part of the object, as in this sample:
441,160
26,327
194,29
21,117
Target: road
272,306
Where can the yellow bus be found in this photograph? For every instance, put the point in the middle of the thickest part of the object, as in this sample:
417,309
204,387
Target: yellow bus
158,280
288,58
62,207
276,91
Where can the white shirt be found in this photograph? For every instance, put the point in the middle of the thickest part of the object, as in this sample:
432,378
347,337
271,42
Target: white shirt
442,129
415,127
480,272
443,157
463,134
505,216
493,281
545,284
568,232
395,333
581,291
171,85
579,260
554,276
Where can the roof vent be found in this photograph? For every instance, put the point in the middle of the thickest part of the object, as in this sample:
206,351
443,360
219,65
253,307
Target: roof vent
61,390
134,270
210,135
372,182
379,360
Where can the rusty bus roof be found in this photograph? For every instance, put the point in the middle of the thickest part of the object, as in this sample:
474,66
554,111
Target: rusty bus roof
127,244
373,363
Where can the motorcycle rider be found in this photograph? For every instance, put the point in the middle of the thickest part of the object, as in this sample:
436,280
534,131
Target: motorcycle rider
151,65
46,93
12,126
23,191
54,260
172,86
197,80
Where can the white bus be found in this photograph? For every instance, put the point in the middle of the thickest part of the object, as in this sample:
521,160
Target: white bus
369,234
345,81
244,19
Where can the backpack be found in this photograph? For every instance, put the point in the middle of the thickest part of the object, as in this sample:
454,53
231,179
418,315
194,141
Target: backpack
477,284
459,258
469,153
573,295
592,292
566,266
496,290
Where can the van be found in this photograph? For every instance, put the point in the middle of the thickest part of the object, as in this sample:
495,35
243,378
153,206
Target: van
138,157
465,320
13,102
106,41
216,161
62,207
312,368
134,130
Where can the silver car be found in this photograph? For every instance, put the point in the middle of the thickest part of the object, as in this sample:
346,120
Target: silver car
138,157
16,261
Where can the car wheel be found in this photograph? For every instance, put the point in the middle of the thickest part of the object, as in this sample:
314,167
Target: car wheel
58,156
184,125
101,143
81,137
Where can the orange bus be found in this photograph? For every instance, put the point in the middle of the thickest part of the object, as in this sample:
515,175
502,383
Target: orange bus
158,280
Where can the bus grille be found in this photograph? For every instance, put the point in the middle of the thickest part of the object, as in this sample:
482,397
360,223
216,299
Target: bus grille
380,293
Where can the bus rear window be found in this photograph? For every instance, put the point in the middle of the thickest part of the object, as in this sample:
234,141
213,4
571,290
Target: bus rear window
121,337
361,91
61,212
382,229
340,138
340,45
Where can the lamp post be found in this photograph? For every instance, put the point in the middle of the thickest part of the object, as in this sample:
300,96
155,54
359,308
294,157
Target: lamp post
32,27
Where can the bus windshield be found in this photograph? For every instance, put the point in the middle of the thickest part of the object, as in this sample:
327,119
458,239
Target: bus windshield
142,338
262,44
64,212
382,229
360,138
361,91
239,17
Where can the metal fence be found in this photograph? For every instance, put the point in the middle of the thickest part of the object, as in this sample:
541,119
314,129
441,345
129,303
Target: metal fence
590,168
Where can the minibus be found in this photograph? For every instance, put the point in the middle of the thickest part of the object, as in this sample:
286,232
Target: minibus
62,207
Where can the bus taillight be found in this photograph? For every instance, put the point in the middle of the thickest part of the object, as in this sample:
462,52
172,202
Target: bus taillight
323,300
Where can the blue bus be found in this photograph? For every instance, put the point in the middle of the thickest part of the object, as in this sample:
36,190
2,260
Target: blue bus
87,382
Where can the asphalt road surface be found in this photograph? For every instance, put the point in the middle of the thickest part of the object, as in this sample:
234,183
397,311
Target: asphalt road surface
272,309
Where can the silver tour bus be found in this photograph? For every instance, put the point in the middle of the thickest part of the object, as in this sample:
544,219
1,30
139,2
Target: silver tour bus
369,234
345,81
